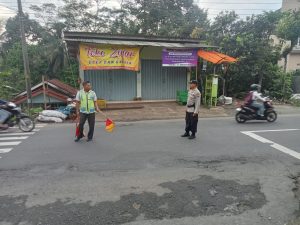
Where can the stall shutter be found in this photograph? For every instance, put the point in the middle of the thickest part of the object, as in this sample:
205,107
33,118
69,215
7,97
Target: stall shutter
161,83
113,85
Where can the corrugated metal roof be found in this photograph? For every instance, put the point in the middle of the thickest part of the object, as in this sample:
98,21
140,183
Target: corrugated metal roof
54,83
122,37
139,43
63,86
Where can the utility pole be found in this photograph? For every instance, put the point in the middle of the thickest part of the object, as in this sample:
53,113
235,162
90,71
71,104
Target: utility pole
25,56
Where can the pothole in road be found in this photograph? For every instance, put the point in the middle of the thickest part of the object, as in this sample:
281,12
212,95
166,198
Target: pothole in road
296,191
203,196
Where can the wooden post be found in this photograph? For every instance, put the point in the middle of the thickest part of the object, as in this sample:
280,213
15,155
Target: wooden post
196,72
25,57
44,92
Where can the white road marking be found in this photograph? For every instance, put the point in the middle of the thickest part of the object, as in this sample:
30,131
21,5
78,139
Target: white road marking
17,134
262,131
286,150
6,131
40,125
37,126
10,143
13,138
7,137
5,150
257,137
278,147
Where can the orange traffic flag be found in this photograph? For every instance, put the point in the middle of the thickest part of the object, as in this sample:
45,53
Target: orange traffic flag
110,125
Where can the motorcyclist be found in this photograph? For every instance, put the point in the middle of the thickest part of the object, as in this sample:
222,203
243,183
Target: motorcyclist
257,99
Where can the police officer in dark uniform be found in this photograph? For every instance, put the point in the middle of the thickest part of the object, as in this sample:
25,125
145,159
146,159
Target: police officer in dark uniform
192,110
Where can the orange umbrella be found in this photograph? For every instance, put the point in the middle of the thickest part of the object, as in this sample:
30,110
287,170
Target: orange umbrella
216,57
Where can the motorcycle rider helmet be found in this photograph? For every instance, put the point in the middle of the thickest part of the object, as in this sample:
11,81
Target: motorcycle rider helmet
254,87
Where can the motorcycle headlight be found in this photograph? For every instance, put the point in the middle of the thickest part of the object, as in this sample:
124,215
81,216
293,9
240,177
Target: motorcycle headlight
12,105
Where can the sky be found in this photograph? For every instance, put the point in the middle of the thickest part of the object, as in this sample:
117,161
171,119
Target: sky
243,7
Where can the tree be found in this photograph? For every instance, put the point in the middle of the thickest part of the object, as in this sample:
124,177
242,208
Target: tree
85,15
249,40
34,32
159,17
288,29
82,15
1,26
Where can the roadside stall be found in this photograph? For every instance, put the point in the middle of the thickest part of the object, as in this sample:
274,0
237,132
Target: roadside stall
212,80
124,69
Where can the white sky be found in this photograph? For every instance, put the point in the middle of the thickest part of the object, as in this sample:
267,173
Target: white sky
242,7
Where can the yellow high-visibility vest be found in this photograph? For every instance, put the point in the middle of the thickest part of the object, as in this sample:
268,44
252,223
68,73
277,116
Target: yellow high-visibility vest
87,100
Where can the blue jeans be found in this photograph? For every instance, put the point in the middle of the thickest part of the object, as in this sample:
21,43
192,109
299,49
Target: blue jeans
3,115
260,106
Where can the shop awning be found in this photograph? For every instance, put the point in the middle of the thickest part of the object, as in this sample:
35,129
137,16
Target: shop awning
216,57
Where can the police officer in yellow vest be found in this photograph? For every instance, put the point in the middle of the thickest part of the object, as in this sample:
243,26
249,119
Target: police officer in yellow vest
86,108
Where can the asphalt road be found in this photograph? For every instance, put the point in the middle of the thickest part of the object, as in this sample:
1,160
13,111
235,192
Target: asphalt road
144,173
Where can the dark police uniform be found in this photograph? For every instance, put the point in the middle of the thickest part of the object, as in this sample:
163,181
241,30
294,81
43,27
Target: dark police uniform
192,111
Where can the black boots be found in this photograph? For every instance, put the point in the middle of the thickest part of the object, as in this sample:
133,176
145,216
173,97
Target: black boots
185,135
193,136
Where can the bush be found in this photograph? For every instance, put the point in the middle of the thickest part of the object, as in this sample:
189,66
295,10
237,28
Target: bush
295,102
34,112
281,87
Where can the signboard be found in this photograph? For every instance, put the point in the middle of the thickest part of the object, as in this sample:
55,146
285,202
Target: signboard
180,57
95,57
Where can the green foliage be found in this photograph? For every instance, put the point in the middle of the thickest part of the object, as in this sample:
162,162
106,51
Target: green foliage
296,73
69,74
281,86
35,111
174,18
296,102
46,52
34,32
288,27
10,84
249,41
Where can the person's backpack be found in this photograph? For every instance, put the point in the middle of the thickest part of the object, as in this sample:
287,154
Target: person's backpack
249,98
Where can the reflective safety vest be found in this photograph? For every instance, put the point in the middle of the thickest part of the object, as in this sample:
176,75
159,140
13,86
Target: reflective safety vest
87,104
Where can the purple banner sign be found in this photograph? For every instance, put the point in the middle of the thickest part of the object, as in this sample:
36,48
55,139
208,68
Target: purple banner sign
179,57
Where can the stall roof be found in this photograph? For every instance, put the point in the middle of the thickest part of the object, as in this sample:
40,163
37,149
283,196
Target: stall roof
74,38
216,57
139,43
56,89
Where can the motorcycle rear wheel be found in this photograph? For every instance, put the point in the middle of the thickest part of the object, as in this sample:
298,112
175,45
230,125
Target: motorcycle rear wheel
239,119
26,124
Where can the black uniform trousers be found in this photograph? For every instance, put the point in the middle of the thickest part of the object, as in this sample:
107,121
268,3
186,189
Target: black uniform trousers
91,120
191,122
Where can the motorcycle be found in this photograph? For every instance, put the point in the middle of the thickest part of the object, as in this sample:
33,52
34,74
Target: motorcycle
16,117
245,113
